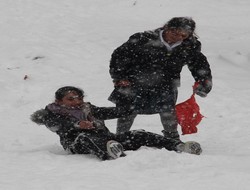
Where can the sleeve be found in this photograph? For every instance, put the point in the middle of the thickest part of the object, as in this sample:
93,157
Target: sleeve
123,57
199,65
105,113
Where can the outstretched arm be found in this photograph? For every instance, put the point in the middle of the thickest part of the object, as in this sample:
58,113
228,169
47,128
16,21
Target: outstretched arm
104,113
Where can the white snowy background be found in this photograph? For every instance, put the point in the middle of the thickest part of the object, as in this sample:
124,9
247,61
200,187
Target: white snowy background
69,42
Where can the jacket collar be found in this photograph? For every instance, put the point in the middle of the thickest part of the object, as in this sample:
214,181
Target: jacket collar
168,46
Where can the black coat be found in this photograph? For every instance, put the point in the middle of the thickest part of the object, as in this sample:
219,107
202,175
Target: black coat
66,125
94,141
154,71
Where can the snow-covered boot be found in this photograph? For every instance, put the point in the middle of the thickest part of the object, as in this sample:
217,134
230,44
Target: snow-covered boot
190,147
115,149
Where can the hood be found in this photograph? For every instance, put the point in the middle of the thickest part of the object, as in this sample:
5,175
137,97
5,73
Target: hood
39,116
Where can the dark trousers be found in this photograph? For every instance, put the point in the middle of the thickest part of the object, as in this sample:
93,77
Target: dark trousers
130,140
151,101
168,120
133,140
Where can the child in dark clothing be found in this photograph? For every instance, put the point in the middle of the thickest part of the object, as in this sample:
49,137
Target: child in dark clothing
146,71
80,126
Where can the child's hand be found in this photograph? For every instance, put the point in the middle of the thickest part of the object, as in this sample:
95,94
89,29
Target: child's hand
122,83
86,125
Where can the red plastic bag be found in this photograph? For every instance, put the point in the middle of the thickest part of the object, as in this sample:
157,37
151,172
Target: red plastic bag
188,115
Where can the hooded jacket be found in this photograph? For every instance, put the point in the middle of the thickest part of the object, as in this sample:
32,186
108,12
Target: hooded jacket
149,65
64,122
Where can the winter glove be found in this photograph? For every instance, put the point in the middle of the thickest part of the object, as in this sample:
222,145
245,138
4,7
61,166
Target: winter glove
190,147
122,83
202,88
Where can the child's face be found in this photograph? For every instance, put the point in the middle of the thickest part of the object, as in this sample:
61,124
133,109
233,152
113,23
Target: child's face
175,35
71,99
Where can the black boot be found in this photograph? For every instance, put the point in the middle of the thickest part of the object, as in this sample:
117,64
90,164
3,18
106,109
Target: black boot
172,135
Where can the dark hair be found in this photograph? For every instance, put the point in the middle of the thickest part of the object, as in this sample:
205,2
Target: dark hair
61,92
185,23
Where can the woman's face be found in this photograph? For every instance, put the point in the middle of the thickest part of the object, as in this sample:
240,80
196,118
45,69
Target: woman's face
71,99
173,35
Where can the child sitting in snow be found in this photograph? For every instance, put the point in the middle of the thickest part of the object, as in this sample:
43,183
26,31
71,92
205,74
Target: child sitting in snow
80,126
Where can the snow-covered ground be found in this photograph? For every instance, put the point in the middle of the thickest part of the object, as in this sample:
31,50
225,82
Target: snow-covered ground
65,42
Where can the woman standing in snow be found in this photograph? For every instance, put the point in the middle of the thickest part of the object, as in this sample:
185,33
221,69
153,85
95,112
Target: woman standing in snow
80,126
146,72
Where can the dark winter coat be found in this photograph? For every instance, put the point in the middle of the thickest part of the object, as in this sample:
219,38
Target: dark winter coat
94,141
66,125
154,71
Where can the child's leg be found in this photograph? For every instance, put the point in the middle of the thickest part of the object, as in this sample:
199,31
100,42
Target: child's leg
85,144
132,140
